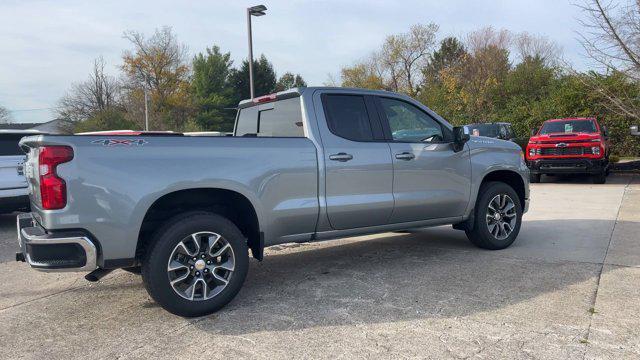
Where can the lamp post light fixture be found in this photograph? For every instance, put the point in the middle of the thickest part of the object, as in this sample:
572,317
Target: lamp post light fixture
257,10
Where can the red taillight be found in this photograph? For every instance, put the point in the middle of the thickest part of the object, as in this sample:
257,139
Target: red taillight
53,189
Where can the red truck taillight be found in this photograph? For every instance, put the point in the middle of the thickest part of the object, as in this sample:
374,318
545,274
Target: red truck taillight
53,189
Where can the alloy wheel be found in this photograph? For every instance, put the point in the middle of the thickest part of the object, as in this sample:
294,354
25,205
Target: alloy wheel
501,216
200,266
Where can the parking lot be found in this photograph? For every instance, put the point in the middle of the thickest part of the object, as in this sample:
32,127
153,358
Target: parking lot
568,288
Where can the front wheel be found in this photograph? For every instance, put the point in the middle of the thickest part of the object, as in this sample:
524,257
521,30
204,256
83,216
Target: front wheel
196,264
498,216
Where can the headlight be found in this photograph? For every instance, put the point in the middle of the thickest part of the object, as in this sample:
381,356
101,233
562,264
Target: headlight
595,150
532,152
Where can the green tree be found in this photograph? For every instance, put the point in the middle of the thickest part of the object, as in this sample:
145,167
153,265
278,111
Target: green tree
290,81
527,89
212,92
451,53
108,119
264,79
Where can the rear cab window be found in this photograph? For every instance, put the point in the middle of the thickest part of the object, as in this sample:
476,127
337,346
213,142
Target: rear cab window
280,118
9,144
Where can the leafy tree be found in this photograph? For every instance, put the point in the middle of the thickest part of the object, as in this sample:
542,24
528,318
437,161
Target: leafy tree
264,79
290,81
451,54
158,63
108,119
361,76
212,91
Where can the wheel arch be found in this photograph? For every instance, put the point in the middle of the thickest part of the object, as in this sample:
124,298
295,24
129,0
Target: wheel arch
509,177
233,205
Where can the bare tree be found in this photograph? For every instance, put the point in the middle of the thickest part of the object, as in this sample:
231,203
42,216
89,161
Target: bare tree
99,92
611,37
5,115
487,37
536,46
404,55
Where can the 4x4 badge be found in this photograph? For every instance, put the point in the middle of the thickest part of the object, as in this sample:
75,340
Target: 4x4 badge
120,142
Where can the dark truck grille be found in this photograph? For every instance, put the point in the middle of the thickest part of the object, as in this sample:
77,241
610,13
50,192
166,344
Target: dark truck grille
576,150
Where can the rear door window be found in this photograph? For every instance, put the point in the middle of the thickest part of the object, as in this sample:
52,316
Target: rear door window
282,118
9,144
347,117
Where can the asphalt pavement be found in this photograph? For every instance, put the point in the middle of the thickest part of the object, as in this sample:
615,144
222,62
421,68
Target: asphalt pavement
566,289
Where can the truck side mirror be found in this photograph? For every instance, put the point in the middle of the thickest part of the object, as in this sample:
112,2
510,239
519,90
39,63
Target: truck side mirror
605,131
534,131
460,136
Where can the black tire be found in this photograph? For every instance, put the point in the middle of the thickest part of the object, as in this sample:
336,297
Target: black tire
165,239
479,235
134,270
600,178
534,178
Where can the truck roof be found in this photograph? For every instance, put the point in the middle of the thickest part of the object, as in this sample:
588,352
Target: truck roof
294,92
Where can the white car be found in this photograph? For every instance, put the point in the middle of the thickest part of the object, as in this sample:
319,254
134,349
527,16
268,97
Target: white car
14,194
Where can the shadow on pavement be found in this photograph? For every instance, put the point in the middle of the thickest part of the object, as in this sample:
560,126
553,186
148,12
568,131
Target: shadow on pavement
394,277
399,277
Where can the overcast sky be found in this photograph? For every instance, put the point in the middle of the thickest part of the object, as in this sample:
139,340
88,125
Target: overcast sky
47,45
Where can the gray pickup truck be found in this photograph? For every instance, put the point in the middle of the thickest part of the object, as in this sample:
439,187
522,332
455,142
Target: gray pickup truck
302,165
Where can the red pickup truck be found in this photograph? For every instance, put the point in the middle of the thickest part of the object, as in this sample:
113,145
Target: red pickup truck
569,146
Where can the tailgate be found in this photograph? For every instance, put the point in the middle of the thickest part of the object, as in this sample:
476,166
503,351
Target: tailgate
12,172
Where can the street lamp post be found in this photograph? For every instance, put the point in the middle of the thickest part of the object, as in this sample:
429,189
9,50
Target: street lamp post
146,105
257,10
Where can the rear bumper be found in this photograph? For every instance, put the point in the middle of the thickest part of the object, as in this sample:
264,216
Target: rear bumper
568,166
59,251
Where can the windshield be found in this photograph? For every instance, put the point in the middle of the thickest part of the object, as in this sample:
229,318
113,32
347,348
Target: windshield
488,130
568,126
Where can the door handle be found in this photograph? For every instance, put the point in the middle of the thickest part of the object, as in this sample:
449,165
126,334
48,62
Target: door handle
405,156
342,157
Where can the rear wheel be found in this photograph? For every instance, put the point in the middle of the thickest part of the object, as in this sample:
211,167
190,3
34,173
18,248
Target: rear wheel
196,264
534,178
498,216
